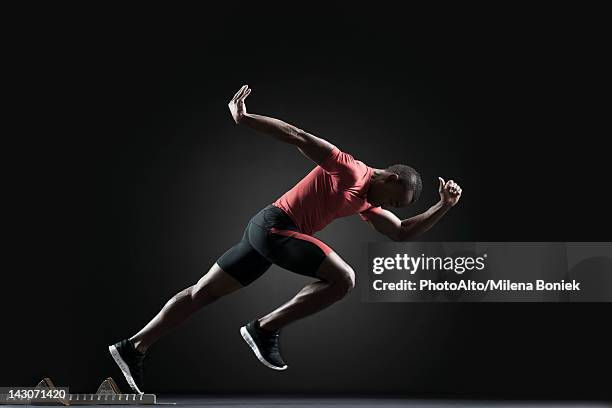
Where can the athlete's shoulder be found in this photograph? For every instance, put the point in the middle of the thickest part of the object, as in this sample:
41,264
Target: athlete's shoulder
338,160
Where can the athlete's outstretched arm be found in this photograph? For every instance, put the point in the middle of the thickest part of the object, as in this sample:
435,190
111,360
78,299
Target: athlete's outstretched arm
313,147
390,225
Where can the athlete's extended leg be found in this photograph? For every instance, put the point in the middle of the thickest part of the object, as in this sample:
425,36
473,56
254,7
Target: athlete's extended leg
236,268
213,285
129,354
337,280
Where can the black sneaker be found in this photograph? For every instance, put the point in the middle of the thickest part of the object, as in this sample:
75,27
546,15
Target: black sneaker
130,362
264,344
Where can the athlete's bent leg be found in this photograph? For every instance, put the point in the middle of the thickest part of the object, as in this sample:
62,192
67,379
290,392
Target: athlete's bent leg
337,280
213,285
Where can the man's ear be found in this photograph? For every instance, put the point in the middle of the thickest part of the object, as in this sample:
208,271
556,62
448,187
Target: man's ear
392,177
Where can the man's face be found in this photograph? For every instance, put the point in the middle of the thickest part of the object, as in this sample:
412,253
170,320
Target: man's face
397,196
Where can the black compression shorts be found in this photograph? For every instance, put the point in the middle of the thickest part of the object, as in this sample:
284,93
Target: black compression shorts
271,237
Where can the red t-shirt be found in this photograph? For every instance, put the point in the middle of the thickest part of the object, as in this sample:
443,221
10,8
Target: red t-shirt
337,187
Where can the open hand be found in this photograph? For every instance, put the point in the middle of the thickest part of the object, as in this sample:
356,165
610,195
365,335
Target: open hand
450,192
236,105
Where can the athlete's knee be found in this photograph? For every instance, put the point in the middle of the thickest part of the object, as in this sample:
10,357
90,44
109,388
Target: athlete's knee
345,281
213,285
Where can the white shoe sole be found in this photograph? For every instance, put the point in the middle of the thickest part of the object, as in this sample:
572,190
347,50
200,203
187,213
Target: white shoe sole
249,340
124,368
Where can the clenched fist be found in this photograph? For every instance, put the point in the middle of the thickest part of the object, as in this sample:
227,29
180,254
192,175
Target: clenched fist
450,192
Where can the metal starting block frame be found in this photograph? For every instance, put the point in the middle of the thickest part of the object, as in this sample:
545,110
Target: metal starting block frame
108,393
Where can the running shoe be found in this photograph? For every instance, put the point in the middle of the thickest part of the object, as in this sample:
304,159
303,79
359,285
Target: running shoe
130,362
264,344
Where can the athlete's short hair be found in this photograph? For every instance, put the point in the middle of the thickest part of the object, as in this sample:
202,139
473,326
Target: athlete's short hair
409,178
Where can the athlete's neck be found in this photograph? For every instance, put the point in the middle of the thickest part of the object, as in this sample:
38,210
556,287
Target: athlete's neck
373,194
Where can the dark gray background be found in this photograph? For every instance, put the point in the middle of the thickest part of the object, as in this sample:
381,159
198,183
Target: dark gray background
126,178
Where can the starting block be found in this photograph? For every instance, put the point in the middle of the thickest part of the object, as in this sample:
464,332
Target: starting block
46,393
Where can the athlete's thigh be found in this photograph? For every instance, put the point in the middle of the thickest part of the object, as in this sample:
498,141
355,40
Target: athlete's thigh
243,263
297,252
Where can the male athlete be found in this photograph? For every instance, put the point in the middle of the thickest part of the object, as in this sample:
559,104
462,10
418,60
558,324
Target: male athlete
282,234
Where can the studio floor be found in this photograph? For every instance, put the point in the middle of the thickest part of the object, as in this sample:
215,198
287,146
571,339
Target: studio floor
286,402
243,402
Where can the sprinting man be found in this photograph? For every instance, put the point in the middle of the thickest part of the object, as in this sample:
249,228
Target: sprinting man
282,234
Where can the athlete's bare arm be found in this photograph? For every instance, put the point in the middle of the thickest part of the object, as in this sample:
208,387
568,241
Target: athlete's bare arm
311,146
390,225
